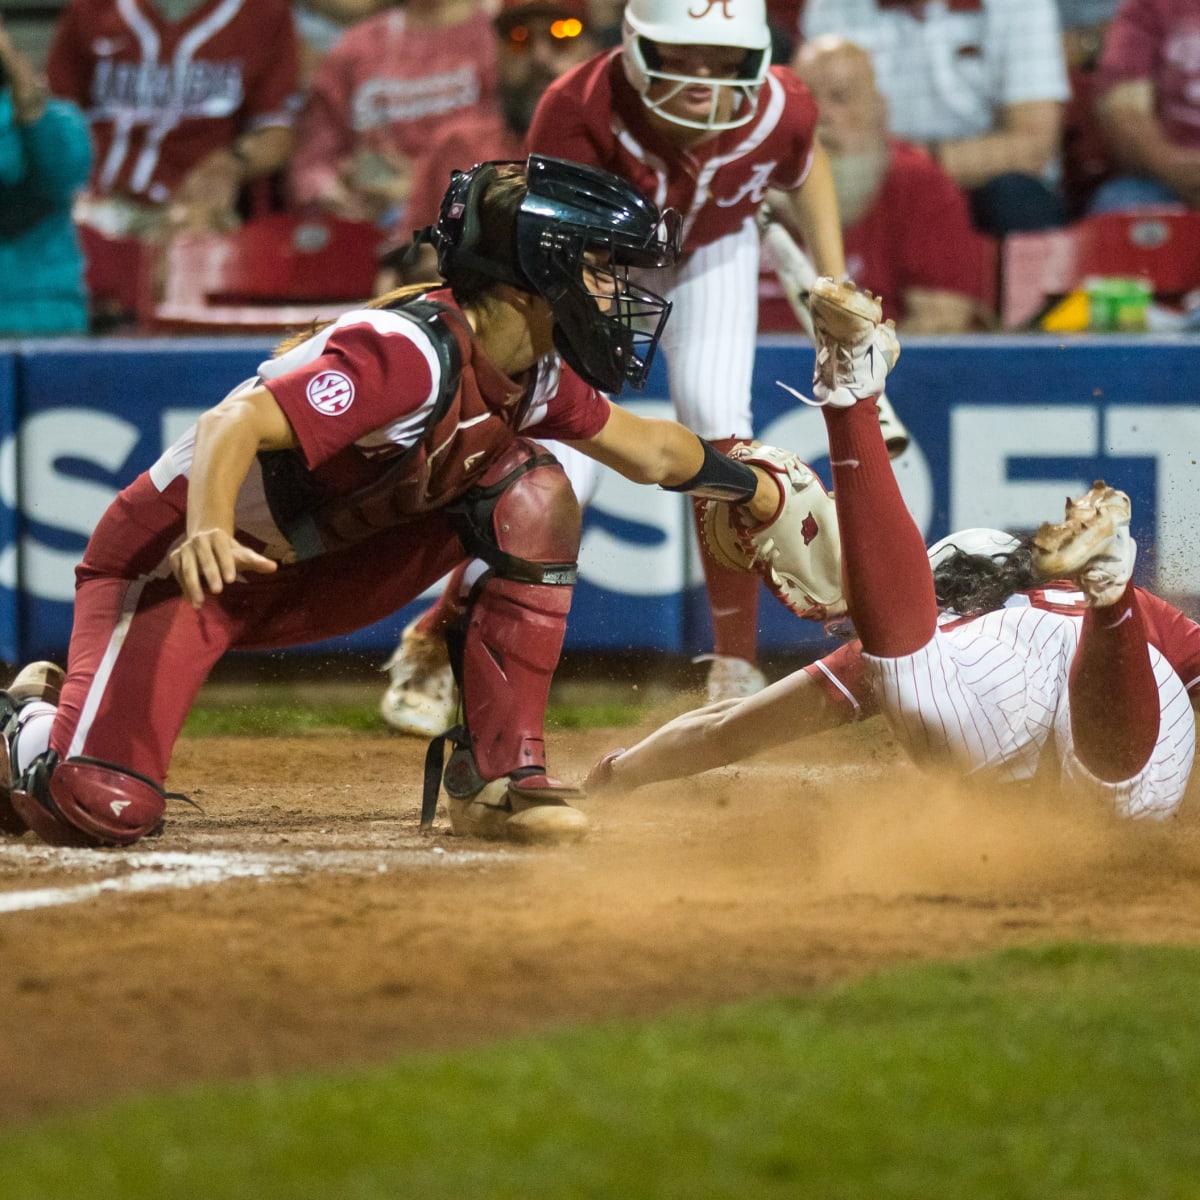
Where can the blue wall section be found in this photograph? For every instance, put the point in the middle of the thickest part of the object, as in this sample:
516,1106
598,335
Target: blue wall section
1004,428
9,571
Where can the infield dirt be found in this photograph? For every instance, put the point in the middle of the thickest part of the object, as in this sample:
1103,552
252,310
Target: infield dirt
799,869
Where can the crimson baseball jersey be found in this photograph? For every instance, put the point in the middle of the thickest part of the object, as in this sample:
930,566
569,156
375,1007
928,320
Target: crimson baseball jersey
162,95
593,115
361,391
1158,41
384,91
843,676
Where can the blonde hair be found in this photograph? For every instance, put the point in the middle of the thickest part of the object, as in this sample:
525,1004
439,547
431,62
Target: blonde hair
400,295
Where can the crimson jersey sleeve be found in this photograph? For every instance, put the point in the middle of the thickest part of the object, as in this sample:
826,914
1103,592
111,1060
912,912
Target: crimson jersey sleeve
843,677
273,82
571,411
1177,637
572,119
67,66
364,379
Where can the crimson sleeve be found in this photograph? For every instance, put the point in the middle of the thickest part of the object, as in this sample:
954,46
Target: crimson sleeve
842,676
363,382
69,61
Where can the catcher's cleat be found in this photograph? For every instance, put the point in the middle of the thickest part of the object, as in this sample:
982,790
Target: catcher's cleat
38,681
421,696
855,348
1091,546
533,810
40,684
731,678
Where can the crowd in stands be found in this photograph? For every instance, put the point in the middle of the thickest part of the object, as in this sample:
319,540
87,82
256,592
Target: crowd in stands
950,125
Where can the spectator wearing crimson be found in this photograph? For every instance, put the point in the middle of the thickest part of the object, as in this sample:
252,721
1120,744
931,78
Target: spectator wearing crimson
980,84
1148,105
537,40
906,226
187,100
381,96
319,24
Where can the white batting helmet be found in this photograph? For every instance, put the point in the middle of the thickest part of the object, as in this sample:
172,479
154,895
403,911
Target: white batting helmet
740,23
992,543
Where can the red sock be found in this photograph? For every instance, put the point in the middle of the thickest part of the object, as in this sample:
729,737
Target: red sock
732,595
1114,695
888,582
446,607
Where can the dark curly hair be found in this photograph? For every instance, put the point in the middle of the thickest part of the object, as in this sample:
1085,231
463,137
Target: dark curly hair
971,584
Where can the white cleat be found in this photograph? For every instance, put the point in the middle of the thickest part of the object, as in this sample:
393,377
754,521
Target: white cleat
855,348
1091,546
505,811
421,697
732,678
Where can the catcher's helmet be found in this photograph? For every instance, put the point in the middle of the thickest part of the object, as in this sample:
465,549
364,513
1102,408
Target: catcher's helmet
577,231
739,23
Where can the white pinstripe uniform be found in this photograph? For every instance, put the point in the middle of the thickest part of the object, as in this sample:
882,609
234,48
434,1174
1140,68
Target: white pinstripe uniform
592,115
987,697
714,291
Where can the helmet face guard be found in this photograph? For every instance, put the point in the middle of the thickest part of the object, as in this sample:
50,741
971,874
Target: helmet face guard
741,24
578,231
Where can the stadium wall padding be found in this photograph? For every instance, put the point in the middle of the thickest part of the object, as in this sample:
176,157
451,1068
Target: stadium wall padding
1004,429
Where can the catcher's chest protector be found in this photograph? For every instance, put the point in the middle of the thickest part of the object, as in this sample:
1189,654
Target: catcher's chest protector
466,429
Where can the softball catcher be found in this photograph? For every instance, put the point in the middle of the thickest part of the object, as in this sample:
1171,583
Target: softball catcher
362,463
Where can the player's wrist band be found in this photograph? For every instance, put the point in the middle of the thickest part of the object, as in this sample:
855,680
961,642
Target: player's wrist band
719,478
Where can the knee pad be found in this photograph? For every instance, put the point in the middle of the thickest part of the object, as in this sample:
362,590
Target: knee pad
85,802
522,517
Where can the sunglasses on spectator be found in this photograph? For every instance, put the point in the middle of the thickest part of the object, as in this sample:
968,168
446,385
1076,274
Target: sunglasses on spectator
564,29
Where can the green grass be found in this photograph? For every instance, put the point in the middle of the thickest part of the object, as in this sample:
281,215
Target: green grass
1055,1073
282,715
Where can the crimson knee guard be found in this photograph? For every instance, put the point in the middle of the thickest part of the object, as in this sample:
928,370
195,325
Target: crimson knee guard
524,521
85,802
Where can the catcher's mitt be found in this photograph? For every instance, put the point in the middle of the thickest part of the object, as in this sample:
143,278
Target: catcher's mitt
797,552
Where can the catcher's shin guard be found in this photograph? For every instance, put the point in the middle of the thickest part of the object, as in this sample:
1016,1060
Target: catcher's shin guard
523,520
510,648
85,802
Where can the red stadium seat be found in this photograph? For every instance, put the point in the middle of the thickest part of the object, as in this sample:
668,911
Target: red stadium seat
119,274
278,271
1158,244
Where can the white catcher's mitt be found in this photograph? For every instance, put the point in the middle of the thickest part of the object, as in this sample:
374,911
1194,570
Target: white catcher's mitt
797,552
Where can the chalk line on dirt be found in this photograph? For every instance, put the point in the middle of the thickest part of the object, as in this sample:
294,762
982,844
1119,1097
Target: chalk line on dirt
147,871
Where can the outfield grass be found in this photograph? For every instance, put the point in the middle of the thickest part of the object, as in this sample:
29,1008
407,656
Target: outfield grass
279,713
1055,1073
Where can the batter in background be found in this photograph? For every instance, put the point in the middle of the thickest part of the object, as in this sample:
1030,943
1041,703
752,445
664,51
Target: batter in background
691,112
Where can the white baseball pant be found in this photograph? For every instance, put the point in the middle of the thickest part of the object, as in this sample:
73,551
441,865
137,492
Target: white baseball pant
983,698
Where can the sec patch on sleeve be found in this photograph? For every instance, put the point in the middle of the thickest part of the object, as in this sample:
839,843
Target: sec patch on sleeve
330,393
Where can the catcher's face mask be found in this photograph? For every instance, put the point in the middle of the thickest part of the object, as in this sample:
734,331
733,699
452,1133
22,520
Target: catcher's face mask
578,231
